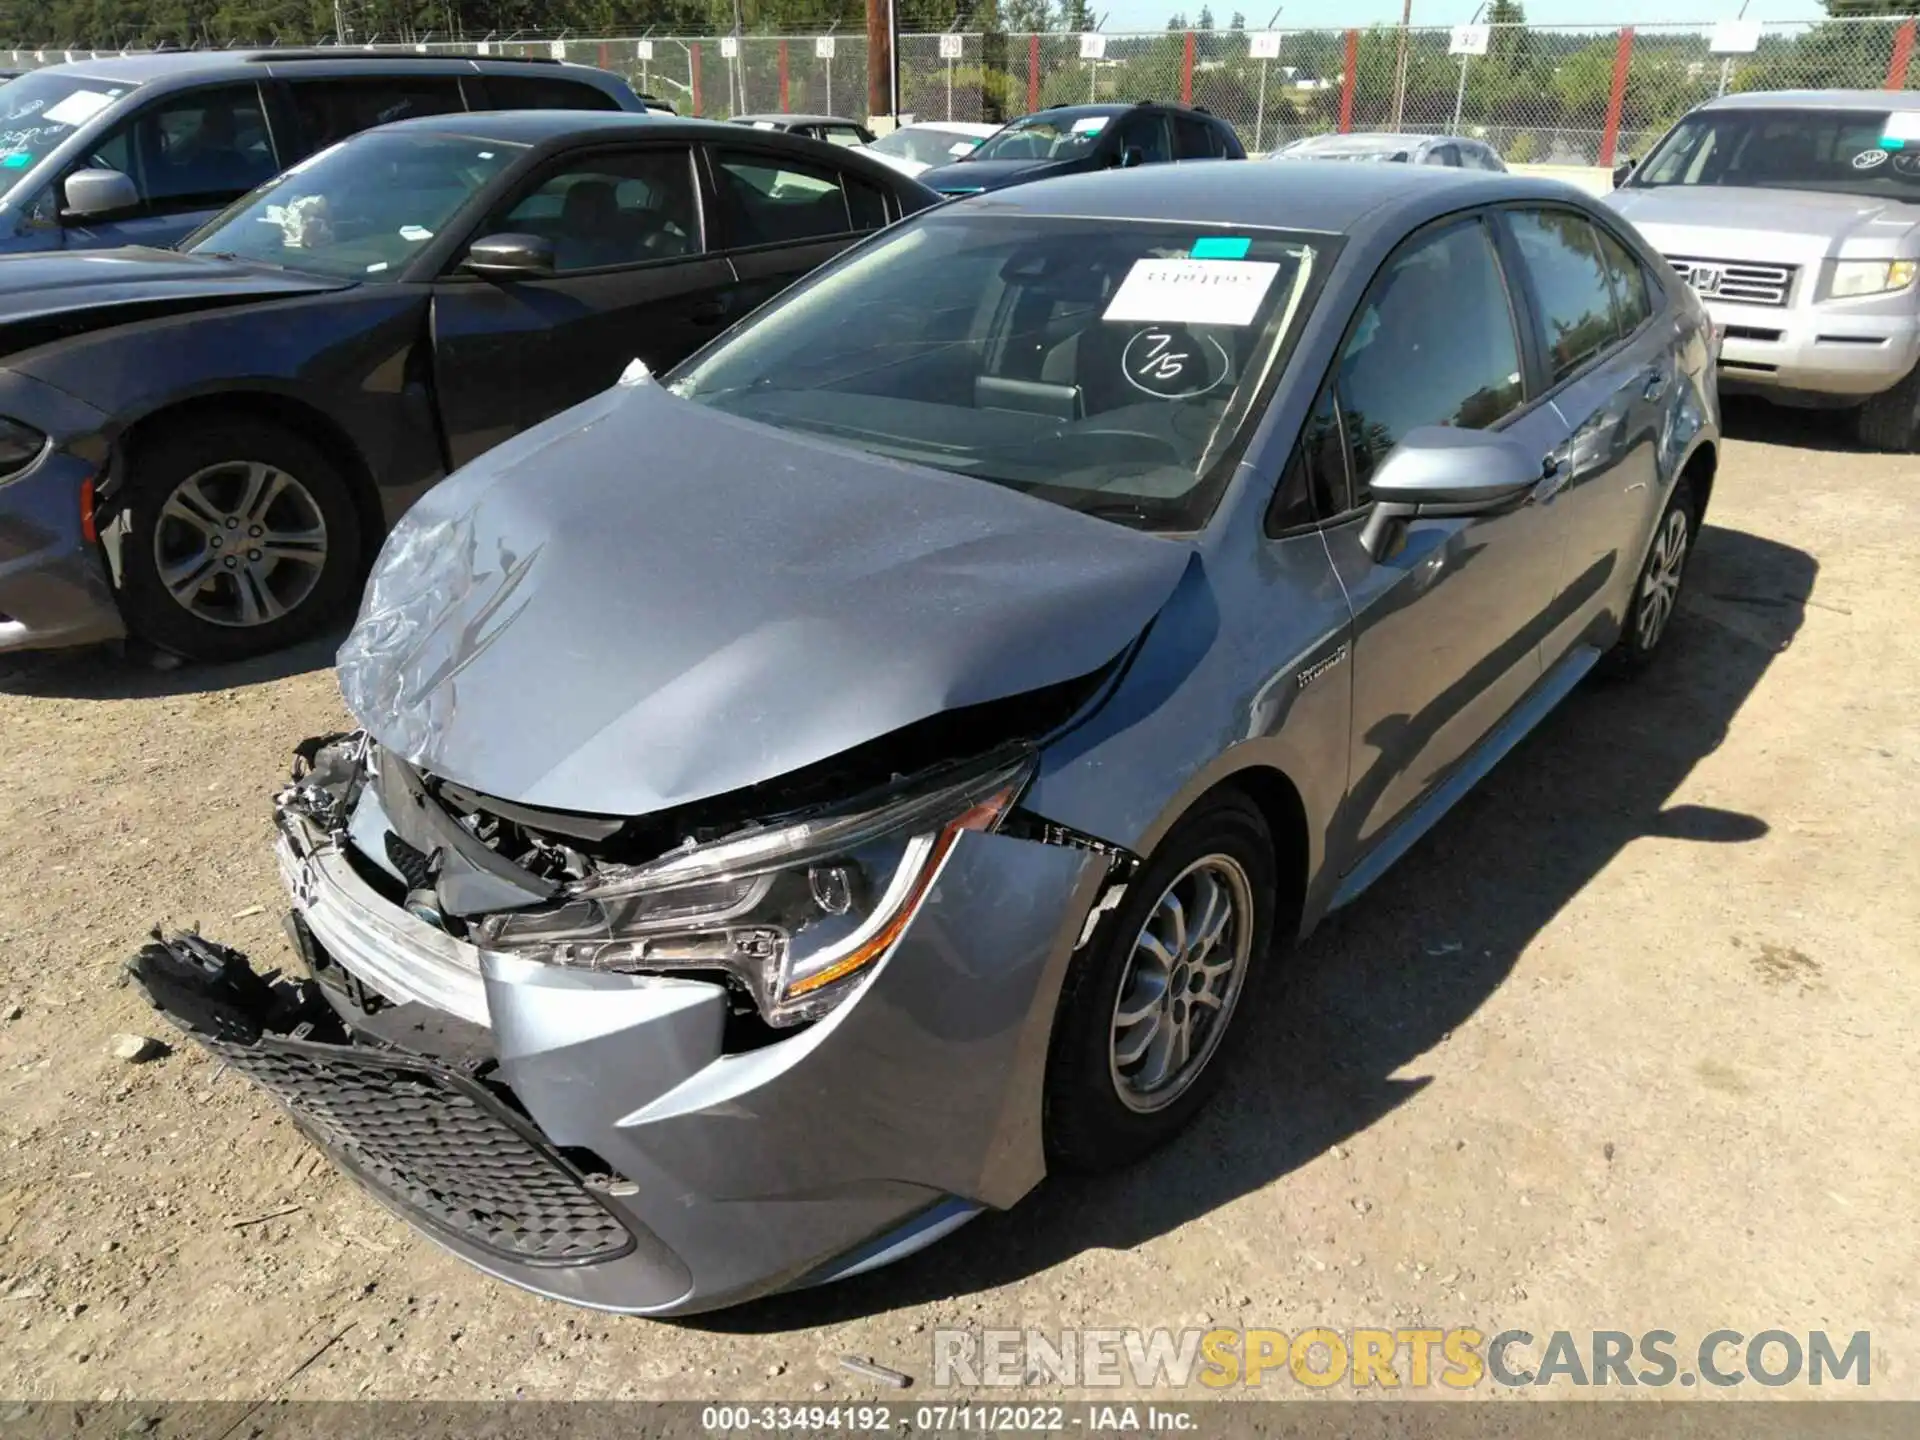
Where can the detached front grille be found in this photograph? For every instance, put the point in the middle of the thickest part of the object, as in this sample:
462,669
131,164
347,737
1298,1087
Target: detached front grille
1735,280
438,1146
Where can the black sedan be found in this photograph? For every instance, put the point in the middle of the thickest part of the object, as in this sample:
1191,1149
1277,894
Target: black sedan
204,448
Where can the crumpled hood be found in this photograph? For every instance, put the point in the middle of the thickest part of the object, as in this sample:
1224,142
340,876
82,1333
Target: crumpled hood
642,603
967,175
1799,227
63,282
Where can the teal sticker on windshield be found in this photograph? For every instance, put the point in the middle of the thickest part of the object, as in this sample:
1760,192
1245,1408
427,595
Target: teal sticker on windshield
18,160
1221,247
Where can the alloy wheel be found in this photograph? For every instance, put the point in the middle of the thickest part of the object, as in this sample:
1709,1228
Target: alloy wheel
240,543
1182,980
1660,589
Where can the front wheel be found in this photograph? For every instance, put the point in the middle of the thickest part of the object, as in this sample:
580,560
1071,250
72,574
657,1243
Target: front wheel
241,538
1656,593
1147,1011
1890,421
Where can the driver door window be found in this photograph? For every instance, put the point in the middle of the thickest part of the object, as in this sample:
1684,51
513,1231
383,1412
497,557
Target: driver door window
195,151
1148,135
612,209
1434,344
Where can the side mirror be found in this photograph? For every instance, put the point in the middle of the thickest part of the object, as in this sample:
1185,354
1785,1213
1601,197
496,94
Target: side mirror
92,193
1622,171
510,257
1437,470
1132,156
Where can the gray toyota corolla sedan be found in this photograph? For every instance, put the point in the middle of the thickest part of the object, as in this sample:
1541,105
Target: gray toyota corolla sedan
804,798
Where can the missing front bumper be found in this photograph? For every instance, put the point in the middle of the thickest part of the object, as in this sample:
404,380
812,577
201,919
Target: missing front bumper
435,1144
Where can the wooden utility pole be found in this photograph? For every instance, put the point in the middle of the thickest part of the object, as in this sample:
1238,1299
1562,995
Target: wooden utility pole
879,57
1400,65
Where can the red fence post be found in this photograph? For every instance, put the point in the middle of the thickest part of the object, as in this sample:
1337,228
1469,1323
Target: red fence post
1186,72
1033,72
1902,53
603,55
694,49
1617,97
783,77
1347,81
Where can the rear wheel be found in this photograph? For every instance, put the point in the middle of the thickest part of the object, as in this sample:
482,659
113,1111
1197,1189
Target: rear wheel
1890,421
241,538
1147,1012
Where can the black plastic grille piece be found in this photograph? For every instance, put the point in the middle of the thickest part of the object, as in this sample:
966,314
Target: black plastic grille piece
437,1146
409,862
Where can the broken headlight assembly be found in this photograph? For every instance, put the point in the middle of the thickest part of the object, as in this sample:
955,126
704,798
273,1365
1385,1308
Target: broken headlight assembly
793,912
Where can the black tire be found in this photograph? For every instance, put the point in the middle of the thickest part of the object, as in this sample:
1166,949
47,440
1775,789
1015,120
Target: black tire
292,598
1646,624
1088,1125
1890,421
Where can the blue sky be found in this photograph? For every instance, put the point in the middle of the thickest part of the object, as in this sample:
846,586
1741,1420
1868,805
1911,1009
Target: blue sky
1305,14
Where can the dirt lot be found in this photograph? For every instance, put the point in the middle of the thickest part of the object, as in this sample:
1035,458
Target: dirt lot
1628,1042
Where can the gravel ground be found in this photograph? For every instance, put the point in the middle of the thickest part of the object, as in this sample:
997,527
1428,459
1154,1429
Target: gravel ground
1625,1043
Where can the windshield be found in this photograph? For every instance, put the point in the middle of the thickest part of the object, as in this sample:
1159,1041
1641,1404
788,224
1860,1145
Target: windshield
1041,137
1851,152
925,147
1115,368
360,210
39,110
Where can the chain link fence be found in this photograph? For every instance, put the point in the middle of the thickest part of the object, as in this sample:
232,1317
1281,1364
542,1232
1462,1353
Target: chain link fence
1546,94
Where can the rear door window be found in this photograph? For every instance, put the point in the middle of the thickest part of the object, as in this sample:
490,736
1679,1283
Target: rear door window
545,92
331,110
1445,155
1569,279
1628,277
772,200
847,135
1193,139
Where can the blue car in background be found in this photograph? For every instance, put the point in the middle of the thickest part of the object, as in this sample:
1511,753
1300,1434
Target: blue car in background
143,149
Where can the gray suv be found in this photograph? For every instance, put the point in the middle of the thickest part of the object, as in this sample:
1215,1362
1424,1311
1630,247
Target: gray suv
142,149
1796,216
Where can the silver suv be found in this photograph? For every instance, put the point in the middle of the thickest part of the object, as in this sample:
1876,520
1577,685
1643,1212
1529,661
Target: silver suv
1796,216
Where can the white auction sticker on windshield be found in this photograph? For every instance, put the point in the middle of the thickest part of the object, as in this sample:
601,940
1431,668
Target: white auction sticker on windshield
81,105
1193,292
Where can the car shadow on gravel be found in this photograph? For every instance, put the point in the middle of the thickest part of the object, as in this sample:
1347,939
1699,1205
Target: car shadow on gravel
1385,981
114,672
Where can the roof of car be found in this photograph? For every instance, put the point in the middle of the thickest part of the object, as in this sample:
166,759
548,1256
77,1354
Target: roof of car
144,67
1906,100
1364,140
799,119
1337,199
533,127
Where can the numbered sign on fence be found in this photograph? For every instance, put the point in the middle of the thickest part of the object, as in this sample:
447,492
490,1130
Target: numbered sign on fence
1470,40
823,47
950,47
1264,46
729,47
1735,37
484,48
643,50
558,49
1093,47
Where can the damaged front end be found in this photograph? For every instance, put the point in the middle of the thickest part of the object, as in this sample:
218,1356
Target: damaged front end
771,1038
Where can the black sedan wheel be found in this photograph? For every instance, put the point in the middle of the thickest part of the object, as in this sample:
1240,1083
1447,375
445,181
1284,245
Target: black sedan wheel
242,538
